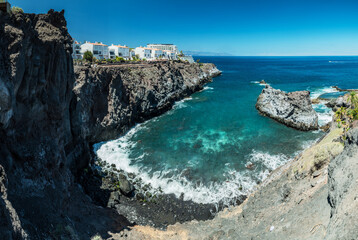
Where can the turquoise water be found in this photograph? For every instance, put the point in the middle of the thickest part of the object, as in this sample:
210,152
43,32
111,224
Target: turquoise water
202,147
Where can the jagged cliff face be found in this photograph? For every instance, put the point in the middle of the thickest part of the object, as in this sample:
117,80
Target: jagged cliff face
47,124
36,80
112,99
343,191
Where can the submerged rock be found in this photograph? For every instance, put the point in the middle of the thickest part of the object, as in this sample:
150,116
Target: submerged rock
294,109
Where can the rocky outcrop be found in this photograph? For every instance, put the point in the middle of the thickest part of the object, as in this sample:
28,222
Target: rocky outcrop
48,122
294,109
341,101
39,153
263,82
111,99
11,226
344,90
343,191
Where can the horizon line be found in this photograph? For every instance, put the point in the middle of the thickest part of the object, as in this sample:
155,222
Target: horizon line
276,55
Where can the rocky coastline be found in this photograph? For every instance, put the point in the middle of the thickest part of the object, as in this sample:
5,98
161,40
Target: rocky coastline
51,187
119,96
311,197
50,115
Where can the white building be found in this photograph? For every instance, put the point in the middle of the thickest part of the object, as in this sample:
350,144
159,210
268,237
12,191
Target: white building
189,59
157,53
99,50
169,55
76,53
132,53
118,51
169,47
143,52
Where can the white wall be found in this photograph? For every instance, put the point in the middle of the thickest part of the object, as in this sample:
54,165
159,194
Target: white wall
98,51
143,53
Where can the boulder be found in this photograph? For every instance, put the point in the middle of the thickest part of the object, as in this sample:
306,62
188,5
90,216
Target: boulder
342,101
294,109
315,101
113,199
263,82
125,186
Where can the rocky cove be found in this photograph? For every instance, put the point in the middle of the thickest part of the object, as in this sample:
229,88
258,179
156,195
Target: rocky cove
52,113
311,197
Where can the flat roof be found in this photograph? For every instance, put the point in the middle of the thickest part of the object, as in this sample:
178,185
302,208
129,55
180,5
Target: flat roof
160,44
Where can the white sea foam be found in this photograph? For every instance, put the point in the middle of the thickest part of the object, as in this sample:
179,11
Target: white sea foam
208,88
317,92
209,140
324,113
181,103
173,182
258,83
271,162
343,62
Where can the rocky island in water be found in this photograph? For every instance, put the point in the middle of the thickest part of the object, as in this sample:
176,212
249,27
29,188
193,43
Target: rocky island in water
54,186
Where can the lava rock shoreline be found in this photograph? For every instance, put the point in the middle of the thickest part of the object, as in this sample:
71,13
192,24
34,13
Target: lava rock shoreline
139,202
49,120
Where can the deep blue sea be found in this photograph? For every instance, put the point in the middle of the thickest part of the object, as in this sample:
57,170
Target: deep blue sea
202,147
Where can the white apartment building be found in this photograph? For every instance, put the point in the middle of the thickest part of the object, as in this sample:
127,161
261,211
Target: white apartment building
132,53
169,55
76,50
157,53
169,47
118,51
143,52
99,50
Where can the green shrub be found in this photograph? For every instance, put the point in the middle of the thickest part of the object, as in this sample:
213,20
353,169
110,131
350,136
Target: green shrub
120,59
88,56
15,9
345,116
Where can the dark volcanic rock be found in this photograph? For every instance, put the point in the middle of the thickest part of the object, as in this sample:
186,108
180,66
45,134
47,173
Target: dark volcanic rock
48,122
342,101
125,186
111,99
40,153
293,109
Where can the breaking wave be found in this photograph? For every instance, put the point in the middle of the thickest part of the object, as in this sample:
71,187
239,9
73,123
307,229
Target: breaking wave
174,181
324,113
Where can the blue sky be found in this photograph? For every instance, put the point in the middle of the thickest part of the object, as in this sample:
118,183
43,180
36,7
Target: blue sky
241,27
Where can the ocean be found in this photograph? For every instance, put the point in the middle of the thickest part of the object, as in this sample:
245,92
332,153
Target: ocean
204,145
